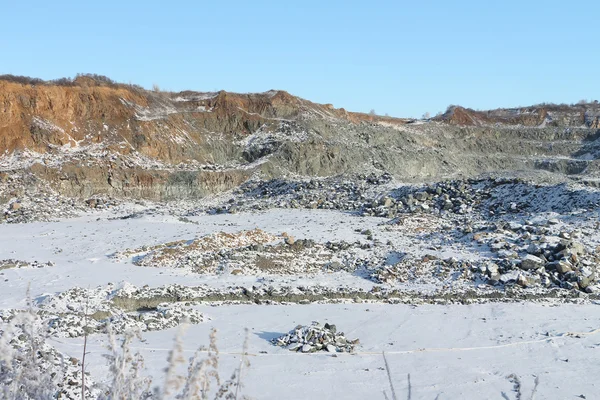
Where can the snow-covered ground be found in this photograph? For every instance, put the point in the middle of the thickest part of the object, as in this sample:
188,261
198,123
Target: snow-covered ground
454,352
451,351
81,248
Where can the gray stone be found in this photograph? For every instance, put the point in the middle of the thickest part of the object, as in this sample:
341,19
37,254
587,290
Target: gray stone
295,347
331,328
563,267
421,196
307,348
514,226
531,262
509,276
492,269
534,249
577,248
583,282
507,254
498,246
522,281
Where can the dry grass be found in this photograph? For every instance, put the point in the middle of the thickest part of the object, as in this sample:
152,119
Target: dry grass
31,369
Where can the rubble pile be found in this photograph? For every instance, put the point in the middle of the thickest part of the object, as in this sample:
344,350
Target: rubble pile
372,196
76,311
542,254
330,193
314,337
10,263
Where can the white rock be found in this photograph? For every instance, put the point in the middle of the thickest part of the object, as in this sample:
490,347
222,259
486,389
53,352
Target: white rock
294,347
531,262
306,348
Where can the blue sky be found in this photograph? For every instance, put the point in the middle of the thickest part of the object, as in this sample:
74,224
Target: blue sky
398,57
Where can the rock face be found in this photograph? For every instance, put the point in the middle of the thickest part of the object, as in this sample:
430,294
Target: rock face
544,114
92,136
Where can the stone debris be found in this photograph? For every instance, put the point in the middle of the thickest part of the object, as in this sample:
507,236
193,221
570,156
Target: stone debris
100,202
24,198
375,195
52,366
73,312
547,252
316,337
10,263
257,253
460,240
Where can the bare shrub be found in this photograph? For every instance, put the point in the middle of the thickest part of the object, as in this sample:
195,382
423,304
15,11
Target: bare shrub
389,375
62,82
23,364
124,369
516,381
24,80
32,369
202,374
102,80
99,80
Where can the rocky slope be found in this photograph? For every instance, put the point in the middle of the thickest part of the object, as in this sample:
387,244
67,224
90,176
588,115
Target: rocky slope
93,137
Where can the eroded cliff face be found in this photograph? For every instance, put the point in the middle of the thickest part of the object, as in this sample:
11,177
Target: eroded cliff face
170,127
89,138
39,117
553,115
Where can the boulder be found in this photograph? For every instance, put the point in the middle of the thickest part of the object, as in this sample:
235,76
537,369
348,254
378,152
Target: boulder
531,262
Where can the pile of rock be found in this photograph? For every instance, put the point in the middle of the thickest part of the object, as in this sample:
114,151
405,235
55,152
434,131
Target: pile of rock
537,253
23,199
100,203
76,311
370,195
47,208
314,337
11,263
165,316
452,196
360,194
331,193
566,264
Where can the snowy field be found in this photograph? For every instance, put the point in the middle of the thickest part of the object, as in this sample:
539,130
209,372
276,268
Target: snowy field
454,352
547,349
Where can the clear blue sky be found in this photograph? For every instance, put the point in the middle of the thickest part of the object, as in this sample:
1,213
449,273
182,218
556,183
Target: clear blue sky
398,57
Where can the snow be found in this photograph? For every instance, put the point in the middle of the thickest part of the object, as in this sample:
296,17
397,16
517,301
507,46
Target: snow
456,352
450,351
81,248
196,97
158,111
46,125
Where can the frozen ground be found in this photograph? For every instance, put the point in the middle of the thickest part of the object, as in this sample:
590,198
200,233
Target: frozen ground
454,352
440,293
81,248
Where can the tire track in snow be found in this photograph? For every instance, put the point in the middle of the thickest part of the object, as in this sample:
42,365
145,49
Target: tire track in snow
370,353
